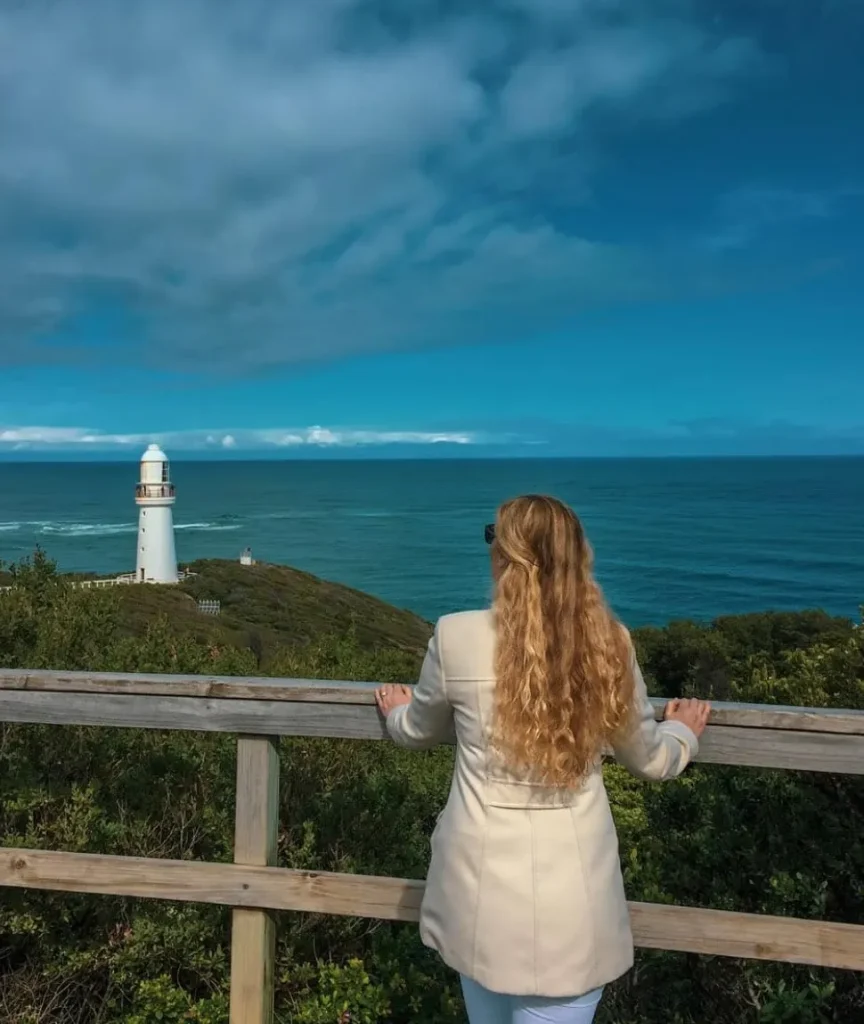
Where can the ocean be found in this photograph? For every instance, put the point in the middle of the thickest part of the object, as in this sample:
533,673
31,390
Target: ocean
673,538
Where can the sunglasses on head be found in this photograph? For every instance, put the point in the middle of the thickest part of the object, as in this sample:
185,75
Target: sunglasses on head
489,532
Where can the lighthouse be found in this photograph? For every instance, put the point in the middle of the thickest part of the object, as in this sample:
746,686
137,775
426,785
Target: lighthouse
154,496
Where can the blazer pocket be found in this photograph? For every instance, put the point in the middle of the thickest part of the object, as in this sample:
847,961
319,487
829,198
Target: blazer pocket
507,793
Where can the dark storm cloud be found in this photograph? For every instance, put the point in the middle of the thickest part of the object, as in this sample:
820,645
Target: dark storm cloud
257,184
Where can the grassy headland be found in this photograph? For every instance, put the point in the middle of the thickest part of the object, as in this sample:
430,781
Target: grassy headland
268,607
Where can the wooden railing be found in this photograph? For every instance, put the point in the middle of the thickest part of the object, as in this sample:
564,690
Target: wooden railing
259,710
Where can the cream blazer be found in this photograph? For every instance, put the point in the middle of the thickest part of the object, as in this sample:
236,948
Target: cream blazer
524,893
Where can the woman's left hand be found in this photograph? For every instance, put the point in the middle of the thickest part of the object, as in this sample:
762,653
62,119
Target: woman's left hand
392,696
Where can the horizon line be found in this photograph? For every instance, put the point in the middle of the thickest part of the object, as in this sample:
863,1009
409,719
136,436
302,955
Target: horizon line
51,458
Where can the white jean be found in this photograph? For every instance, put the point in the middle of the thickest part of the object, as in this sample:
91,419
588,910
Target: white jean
485,1007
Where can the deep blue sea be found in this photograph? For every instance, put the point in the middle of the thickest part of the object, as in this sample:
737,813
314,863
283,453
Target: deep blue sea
673,538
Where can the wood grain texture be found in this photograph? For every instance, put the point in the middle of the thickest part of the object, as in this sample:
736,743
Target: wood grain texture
747,936
655,926
256,814
329,691
324,691
733,745
196,714
233,885
256,831
782,748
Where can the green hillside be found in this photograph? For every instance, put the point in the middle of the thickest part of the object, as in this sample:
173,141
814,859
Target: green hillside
266,607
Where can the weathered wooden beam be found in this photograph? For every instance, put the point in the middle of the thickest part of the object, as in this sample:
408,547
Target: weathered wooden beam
747,936
256,830
735,745
233,885
325,691
782,748
196,714
655,926
330,691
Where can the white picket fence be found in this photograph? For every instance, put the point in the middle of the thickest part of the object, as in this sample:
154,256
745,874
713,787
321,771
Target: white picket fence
127,579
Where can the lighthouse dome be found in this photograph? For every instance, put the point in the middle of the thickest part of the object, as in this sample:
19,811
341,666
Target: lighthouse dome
154,454
155,470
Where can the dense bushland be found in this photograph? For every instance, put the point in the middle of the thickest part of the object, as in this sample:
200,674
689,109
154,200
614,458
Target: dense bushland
773,842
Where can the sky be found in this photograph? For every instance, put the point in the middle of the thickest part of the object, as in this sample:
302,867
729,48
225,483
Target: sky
370,227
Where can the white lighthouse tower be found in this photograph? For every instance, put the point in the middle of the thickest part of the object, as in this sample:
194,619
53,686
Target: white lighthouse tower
154,496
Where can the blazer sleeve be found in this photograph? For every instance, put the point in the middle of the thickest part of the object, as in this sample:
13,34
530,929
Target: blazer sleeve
653,750
428,719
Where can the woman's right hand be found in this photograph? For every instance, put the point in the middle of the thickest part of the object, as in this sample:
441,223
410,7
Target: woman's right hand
692,712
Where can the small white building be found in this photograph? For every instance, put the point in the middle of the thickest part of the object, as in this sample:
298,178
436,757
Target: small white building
246,557
154,495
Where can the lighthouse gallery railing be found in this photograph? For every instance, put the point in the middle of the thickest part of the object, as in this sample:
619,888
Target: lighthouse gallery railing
261,710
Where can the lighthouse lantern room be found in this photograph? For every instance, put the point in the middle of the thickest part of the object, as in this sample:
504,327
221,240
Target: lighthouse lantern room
154,496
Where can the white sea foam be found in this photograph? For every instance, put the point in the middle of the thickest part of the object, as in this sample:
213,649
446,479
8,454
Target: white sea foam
207,527
86,529
54,528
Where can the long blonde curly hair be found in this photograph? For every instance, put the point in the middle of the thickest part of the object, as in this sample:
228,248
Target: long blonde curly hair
563,662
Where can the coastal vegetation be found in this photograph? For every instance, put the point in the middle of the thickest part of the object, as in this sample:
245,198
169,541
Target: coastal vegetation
264,608
786,843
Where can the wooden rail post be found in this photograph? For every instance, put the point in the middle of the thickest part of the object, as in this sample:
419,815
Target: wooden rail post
256,827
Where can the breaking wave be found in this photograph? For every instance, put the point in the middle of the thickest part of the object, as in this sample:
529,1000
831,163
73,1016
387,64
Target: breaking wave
207,527
59,529
86,529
